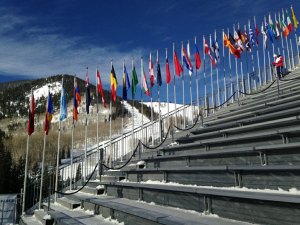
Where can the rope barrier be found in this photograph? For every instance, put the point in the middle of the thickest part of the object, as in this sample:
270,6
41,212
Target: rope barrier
118,168
71,193
191,126
158,144
259,91
215,107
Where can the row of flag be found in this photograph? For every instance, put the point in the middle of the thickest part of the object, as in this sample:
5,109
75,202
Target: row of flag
236,44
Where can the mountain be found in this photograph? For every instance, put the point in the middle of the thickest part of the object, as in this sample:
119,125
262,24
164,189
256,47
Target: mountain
15,95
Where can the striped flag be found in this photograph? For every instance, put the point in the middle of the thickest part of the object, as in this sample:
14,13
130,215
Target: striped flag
186,60
151,72
76,100
87,92
63,103
197,58
113,84
49,114
126,83
99,87
134,82
145,84
296,23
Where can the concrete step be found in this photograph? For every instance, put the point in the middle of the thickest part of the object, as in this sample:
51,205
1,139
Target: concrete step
43,217
29,220
68,203
136,212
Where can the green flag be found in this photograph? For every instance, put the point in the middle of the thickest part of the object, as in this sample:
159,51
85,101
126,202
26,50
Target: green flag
134,82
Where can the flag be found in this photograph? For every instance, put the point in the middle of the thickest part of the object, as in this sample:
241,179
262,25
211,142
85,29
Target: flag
30,125
134,82
252,37
231,48
126,83
231,39
178,68
49,113
168,74
151,72
277,27
289,22
113,84
215,49
273,27
265,38
270,33
247,44
296,23
87,92
284,27
186,60
99,87
145,84
63,103
241,36
76,100
207,51
238,41
256,34
197,58
158,76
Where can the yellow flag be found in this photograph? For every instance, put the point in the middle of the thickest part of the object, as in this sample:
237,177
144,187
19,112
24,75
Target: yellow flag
296,23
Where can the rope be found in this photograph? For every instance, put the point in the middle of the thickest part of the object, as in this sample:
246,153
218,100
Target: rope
259,91
158,144
71,193
215,107
190,126
118,168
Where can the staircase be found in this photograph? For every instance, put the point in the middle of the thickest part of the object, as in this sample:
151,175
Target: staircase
240,165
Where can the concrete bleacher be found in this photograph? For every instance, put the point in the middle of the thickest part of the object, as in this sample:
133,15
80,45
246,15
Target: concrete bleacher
240,165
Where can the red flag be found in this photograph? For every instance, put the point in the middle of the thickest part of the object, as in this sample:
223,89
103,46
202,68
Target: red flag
197,58
76,100
168,74
207,51
30,125
178,68
151,72
100,88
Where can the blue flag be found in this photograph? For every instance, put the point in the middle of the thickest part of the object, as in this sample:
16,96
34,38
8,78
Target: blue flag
126,84
158,77
63,104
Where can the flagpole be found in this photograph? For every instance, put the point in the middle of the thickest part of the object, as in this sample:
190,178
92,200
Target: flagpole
58,147
124,77
292,53
25,174
168,104
204,79
132,106
282,46
230,69
71,175
97,121
224,70
298,56
110,134
248,74
242,71
287,46
197,82
211,81
174,86
42,172
182,79
257,56
142,96
237,73
191,95
264,53
217,68
43,162
158,95
85,137
151,99
269,61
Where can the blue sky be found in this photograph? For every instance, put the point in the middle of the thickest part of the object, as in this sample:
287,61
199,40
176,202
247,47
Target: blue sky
41,38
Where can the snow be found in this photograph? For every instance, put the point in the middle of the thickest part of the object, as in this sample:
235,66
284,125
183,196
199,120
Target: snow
281,191
55,88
